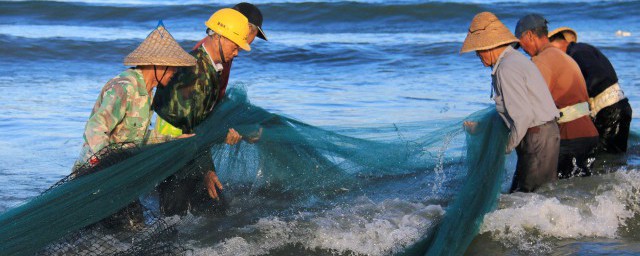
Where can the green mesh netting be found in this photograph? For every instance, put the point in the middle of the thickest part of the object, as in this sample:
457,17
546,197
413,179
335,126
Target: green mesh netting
477,196
290,158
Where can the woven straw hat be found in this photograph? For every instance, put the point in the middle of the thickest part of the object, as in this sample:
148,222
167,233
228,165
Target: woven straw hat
569,34
159,49
486,32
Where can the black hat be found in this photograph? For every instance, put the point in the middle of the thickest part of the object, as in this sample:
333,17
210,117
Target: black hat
529,22
254,16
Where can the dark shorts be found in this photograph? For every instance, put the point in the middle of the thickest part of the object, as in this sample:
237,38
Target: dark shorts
537,158
613,124
576,157
185,191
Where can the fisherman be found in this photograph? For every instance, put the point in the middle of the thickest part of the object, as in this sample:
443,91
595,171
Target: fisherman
228,30
254,17
610,109
522,100
123,112
579,136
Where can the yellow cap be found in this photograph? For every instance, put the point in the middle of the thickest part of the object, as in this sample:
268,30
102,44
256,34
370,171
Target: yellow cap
232,25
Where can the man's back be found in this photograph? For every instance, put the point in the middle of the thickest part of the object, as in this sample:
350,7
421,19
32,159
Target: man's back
563,76
596,68
191,95
521,96
121,113
568,88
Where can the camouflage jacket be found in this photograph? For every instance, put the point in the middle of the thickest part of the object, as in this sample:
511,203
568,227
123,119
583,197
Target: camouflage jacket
191,94
121,114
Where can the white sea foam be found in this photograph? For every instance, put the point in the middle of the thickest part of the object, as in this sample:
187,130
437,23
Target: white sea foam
363,228
528,221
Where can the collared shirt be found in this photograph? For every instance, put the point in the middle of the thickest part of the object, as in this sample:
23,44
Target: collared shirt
217,66
521,95
121,113
595,67
225,71
567,85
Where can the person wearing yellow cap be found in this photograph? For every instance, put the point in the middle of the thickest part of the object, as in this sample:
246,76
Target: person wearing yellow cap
610,108
522,101
188,99
254,16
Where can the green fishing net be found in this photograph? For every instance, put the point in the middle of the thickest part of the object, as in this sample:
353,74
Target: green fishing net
291,158
478,194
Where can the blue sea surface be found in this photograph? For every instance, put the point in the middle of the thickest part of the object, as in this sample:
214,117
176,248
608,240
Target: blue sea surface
330,64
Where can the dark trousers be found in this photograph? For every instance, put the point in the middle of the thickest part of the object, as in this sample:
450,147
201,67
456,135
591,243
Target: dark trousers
129,218
613,124
537,158
179,196
576,157
185,191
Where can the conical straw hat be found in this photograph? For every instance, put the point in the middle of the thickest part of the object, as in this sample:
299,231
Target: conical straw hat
159,49
569,34
486,32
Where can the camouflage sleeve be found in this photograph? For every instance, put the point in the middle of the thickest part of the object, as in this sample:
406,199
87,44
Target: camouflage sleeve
104,119
190,95
174,101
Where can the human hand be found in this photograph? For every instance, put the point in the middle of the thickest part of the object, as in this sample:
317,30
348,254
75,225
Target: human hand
93,161
212,182
507,150
184,136
233,137
470,126
254,137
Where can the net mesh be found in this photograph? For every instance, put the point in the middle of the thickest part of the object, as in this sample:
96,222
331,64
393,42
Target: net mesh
476,196
293,159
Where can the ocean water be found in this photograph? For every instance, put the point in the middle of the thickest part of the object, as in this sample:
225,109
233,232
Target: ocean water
331,64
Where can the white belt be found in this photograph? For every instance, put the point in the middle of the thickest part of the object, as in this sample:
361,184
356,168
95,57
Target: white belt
573,112
608,97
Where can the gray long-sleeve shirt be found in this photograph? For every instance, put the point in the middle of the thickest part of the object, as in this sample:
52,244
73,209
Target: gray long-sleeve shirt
522,97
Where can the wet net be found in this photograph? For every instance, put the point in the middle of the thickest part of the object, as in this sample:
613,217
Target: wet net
294,159
478,194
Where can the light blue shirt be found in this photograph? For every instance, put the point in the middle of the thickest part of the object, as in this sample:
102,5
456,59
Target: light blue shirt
522,97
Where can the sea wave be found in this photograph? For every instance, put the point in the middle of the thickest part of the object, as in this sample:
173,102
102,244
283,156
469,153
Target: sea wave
18,36
364,227
325,14
286,38
106,43
189,2
599,206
